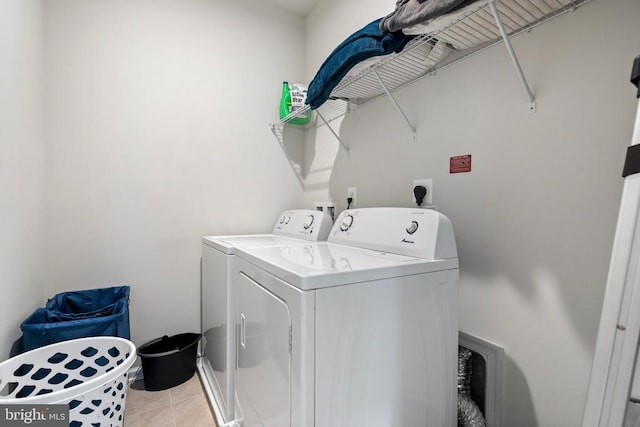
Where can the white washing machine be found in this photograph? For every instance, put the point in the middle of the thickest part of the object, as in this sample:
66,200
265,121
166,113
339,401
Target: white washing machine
216,363
358,331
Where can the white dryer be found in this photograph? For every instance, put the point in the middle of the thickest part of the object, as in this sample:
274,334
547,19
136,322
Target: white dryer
358,331
217,360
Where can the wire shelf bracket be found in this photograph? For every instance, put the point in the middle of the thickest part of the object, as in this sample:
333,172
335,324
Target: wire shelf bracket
278,131
395,104
333,132
512,54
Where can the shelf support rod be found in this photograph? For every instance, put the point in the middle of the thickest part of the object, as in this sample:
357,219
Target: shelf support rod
395,104
278,132
332,131
512,53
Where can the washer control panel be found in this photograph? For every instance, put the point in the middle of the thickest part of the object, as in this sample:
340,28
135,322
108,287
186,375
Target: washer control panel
306,224
422,233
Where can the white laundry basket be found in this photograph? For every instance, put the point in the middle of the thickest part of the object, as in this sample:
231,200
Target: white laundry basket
89,374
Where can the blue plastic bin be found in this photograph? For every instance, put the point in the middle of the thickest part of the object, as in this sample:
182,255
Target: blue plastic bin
78,314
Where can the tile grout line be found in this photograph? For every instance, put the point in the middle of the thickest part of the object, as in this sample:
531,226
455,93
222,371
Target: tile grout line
173,412
175,398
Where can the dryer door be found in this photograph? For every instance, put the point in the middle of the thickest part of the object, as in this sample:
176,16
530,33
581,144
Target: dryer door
264,355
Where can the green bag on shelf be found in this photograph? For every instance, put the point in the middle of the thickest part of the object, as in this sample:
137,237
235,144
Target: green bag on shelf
292,101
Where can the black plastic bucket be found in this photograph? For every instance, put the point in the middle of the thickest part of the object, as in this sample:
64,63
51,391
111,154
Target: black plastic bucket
169,361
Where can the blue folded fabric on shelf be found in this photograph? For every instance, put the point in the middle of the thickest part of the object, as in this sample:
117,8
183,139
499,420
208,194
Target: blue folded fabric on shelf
412,12
365,43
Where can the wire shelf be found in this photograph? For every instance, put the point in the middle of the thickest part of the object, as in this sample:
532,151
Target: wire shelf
472,29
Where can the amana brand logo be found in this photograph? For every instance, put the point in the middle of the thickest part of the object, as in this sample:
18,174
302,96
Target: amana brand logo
408,241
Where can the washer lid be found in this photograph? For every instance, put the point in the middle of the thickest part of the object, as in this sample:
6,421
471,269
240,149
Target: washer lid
227,244
291,226
321,264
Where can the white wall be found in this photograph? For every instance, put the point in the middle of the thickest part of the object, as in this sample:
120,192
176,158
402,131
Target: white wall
156,128
21,165
157,133
326,26
535,218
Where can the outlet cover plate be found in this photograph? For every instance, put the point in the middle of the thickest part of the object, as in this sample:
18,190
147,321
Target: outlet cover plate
428,184
351,192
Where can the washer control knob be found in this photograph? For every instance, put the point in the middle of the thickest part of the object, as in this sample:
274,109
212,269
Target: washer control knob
412,227
287,219
347,221
282,220
308,221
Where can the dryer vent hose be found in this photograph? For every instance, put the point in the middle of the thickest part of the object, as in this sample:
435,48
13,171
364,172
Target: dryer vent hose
469,415
464,371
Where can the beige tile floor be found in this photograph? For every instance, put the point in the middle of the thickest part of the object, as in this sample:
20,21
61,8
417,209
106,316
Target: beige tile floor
182,406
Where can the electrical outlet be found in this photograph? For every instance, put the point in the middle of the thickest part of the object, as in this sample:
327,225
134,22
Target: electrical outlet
327,207
351,193
428,184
